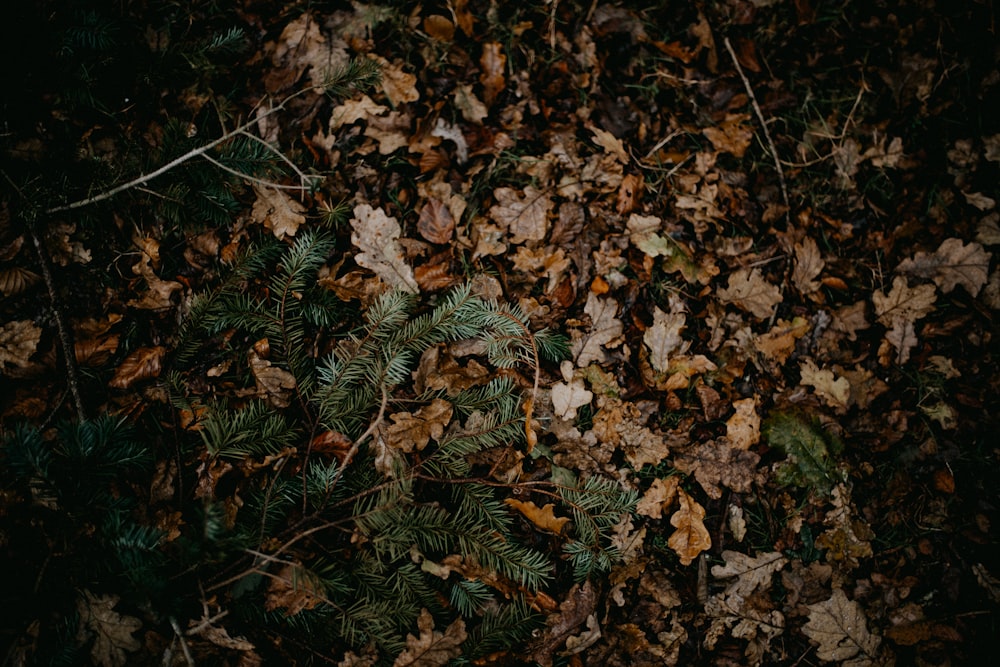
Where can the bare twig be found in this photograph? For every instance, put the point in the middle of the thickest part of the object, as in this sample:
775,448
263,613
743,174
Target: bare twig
763,125
180,636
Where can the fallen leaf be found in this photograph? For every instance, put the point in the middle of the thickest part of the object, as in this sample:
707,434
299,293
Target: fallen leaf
544,517
439,28
409,432
277,212
470,106
431,648
748,574
629,194
691,536
840,628
604,329
903,303
376,235
524,216
808,265
435,223
618,423
111,631
743,428
16,279
835,392
954,263
399,86
18,341
847,538
294,589
351,111
273,383
567,397
492,61
732,135
748,289
658,497
580,603
716,462
611,144
142,364
663,338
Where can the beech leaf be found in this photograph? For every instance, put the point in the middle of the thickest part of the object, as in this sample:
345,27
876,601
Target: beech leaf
143,364
840,628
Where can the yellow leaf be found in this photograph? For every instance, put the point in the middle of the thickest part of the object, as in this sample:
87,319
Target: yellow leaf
691,536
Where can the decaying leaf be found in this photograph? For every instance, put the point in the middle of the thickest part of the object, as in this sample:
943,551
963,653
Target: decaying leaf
732,135
567,397
847,537
273,383
835,391
493,62
525,216
691,536
903,303
398,86
294,589
840,628
748,289
716,462
808,265
743,428
410,432
18,341
604,329
663,338
142,364
579,604
16,279
658,497
954,263
432,648
376,235
748,574
436,223
544,517
110,630
618,423
277,212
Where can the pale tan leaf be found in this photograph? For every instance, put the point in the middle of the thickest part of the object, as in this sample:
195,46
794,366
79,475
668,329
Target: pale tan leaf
903,302
277,211
808,265
743,428
111,631
748,289
409,432
492,61
566,398
748,574
143,364
988,230
840,627
980,201
658,497
737,524
398,86
663,338
691,536
273,383
376,235
435,223
432,648
611,144
902,337
18,341
836,392
15,279
954,263
351,111
544,517
470,106
604,329
525,216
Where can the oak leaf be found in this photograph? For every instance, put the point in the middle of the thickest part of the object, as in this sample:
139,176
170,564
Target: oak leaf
112,631
743,428
748,289
143,364
663,338
580,603
566,398
835,392
18,341
273,383
840,628
398,86
351,111
731,135
748,574
659,496
410,432
604,329
294,589
376,235
432,648
903,303
524,216
277,212
691,536
715,462
436,223
611,144
492,61
544,517
954,263
808,265
470,106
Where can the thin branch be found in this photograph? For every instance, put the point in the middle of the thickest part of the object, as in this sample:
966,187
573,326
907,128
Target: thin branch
253,179
763,125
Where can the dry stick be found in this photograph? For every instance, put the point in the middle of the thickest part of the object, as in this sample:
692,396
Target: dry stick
763,125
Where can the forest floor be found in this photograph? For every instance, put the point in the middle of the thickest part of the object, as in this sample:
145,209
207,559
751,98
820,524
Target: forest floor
765,228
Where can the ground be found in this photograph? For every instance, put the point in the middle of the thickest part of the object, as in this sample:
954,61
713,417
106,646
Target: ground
760,230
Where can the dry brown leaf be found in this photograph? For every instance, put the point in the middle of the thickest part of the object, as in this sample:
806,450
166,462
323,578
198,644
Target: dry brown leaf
691,536
743,428
808,265
273,383
351,111
580,603
294,588
954,263
544,517
439,370
435,223
432,648
439,28
399,86
658,497
731,135
840,627
903,303
836,392
525,216
748,574
748,289
277,212
470,106
111,631
376,235
716,462
492,61
409,432
847,538
605,328
302,46
779,343
15,279
611,144
18,341
663,338
618,423
629,194
142,364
